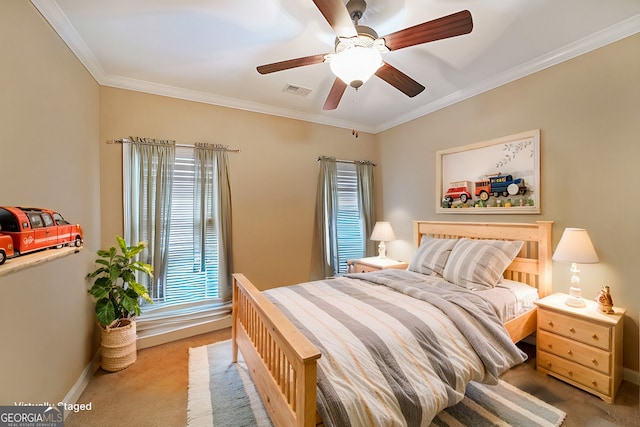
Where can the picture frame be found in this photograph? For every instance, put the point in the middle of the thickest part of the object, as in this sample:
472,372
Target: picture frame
499,176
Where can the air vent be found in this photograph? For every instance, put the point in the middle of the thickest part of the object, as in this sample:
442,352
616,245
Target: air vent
296,90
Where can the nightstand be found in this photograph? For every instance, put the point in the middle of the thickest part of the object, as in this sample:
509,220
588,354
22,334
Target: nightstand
365,265
580,346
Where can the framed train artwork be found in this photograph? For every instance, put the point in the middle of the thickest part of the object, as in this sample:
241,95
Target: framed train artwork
500,176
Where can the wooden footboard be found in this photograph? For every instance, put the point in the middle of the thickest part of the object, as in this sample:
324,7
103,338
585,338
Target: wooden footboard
522,326
281,361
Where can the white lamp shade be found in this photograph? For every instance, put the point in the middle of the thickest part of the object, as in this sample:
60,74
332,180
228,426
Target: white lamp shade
356,65
575,246
382,232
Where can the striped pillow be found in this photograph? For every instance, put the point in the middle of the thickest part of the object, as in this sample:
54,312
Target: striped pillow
478,264
432,255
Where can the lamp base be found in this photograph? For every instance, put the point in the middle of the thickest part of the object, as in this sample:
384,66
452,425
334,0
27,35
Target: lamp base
575,298
576,302
382,250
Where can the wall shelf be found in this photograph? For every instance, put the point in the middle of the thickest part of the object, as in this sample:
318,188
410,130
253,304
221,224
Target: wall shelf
20,263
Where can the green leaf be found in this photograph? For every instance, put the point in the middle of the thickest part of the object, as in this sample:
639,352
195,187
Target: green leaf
135,250
141,266
129,304
141,290
106,254
105,312
122,243
98,271
98,291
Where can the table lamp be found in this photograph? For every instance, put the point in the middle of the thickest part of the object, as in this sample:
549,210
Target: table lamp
575,247
382,232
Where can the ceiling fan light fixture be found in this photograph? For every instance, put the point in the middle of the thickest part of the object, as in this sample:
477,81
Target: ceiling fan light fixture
356,65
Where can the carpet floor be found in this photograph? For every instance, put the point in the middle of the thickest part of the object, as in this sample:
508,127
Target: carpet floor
153,392
222,394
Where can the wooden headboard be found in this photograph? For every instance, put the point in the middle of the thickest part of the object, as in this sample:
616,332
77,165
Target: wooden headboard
531,266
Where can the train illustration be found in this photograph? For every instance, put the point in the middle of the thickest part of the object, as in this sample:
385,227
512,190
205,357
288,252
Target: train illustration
492,185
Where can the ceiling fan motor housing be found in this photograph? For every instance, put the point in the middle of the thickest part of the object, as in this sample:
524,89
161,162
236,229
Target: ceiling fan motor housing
366,37
356,9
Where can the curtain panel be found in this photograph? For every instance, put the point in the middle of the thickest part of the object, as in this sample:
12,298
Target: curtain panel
325,241
366,203
212,211
148,184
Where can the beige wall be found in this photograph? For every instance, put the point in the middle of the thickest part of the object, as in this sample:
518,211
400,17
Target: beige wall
273,178
49,158
588,111
55,121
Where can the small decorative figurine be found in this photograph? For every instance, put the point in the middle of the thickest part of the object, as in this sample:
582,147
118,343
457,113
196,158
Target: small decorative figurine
605,303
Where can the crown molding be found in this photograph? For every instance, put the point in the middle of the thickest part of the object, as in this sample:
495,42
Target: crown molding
594,41
61,24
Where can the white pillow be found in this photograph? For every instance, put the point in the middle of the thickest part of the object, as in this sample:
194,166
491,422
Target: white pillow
478,264
432,255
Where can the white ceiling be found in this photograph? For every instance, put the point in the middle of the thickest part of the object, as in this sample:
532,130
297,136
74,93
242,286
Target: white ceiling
208,50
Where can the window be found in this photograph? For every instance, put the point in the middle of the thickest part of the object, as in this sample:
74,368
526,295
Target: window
186,280
178,200
349,220
36,221
344,215
48,222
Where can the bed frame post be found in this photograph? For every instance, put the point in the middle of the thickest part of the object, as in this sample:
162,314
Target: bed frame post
544,257
282,362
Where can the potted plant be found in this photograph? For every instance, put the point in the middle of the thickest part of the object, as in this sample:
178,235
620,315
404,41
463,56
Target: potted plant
117,294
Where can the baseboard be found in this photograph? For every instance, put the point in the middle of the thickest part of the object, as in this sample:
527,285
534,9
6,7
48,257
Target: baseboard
185,332
83,381
87,374
632,376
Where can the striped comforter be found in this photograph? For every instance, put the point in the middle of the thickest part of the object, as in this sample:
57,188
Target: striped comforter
397,347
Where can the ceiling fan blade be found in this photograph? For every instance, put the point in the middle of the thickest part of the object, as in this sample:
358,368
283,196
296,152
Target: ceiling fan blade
336,14
335,95
453,25
399,80
291,63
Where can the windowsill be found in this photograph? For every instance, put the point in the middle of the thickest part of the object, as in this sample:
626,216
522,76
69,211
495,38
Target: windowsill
25,261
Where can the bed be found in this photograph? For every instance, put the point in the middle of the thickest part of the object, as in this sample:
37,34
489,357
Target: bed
283,361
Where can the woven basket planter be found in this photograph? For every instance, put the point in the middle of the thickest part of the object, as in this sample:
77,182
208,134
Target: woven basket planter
119,346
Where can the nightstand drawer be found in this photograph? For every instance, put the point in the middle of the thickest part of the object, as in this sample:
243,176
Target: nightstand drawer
576,329
363,268
574,372
583,354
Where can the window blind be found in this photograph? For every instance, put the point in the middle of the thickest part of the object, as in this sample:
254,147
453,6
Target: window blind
185,280
349,223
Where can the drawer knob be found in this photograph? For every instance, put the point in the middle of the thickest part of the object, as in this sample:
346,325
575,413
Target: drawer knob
594,336
550,345
570,372
549,364
570,353
573,331
550,323
594,361
595,383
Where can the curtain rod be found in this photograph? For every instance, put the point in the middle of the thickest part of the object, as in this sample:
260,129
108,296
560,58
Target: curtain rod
160,142
349,161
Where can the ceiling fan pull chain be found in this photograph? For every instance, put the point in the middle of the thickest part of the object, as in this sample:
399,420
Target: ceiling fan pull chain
354,132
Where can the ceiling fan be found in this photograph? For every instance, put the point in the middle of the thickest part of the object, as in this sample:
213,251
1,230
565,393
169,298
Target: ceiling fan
359,45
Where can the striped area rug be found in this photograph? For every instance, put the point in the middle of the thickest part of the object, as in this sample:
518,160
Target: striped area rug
221,394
